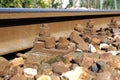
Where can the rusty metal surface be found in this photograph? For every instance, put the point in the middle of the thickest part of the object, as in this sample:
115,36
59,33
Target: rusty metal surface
21,35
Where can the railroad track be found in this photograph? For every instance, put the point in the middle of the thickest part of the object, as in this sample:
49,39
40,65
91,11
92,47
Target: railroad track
19,27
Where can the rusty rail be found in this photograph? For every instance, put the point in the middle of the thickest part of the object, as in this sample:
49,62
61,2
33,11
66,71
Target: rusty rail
19,27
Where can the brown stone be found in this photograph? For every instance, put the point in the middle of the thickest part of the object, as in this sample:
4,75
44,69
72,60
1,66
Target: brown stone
15,70
4,66
17,61
116,63
86,61
2,79
108,58
115,74
72,45
11,73
19,70
95,41
103,76
38,46
74,37
68,58
83,47
34,60
50,42
95,57
59,67
18,77
30,78
78,40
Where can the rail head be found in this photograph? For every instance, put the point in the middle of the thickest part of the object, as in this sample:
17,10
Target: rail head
13,13
14,10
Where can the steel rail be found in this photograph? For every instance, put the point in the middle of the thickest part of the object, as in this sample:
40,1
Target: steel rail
52,10
7,13
19,27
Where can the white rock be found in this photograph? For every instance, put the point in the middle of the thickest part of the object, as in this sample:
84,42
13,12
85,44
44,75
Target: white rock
103,45
68,76
91,48
79,73
117,36
78,50
44,77
30,72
